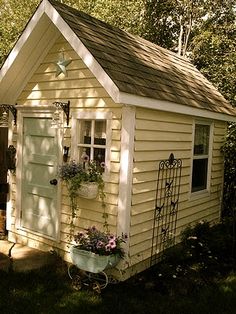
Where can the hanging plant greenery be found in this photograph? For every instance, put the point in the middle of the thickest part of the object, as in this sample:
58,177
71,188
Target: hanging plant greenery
78,177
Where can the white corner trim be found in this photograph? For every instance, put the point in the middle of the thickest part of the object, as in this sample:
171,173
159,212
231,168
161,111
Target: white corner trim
126,170
82,51
164,105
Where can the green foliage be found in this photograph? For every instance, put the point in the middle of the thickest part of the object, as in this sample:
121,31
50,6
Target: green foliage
214,50
229,151
204,254
13,18
158,24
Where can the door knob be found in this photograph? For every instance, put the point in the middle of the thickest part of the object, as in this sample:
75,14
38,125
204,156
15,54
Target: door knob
53,182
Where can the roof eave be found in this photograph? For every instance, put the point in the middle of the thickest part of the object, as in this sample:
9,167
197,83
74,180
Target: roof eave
163,105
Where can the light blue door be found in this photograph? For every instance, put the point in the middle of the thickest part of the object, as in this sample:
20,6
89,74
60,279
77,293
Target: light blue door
39,196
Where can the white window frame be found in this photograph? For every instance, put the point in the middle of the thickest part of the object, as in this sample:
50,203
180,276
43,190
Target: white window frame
77,116
209,156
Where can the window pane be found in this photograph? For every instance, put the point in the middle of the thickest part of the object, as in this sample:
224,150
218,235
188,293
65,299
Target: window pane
85,137
99,154
100,132
201,139
199,178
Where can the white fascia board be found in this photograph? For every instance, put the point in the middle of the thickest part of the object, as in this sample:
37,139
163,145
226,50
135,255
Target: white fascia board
168,106
82,51
21,41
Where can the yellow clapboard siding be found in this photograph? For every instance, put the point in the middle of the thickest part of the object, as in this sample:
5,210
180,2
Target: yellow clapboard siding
139,249
188,209
71,74
113,176
70,93
65,84
147,176
217,146
147,196
116,136
115,145
87,103
142,208
146,135
217,167
50,67
157,115
151,147
111,199
219,139
194,201
116,125
217,160
220,128
60,45
147,166
141,237
148,125
198,216
159,155
143,187
56,56
143,145
139,218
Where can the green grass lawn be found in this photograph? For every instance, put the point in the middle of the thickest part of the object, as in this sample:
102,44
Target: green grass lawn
49,290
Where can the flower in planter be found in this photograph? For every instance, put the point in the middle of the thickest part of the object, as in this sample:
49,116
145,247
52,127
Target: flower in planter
98,242
91,171
76,175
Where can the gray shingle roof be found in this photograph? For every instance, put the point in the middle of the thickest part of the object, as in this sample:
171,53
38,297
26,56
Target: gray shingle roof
142,68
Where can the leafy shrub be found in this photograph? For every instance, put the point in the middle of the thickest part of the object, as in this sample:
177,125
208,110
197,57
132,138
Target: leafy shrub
229,151
203,255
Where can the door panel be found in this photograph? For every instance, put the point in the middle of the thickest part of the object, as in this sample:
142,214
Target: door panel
39,197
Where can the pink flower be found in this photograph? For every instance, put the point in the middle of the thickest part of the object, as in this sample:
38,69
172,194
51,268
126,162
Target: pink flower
112,244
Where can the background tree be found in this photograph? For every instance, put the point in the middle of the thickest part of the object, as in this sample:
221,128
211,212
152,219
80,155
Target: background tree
125,14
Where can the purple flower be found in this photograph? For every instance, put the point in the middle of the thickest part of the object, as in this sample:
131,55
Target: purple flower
99,242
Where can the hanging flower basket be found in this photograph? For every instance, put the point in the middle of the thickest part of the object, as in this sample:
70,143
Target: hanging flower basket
88,190
92,262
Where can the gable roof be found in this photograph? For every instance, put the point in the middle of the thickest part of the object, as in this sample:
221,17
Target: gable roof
132,70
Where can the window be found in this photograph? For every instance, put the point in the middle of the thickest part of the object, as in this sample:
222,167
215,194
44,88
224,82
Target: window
200,157
92,140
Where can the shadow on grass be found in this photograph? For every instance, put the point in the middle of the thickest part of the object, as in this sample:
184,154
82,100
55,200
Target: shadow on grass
49,291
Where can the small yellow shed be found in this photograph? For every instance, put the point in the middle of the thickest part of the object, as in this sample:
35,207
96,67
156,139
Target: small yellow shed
156,121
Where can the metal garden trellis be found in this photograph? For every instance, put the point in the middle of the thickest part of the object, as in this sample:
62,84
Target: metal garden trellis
166,206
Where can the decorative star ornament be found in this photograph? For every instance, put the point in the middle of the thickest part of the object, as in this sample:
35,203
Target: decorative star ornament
61,65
